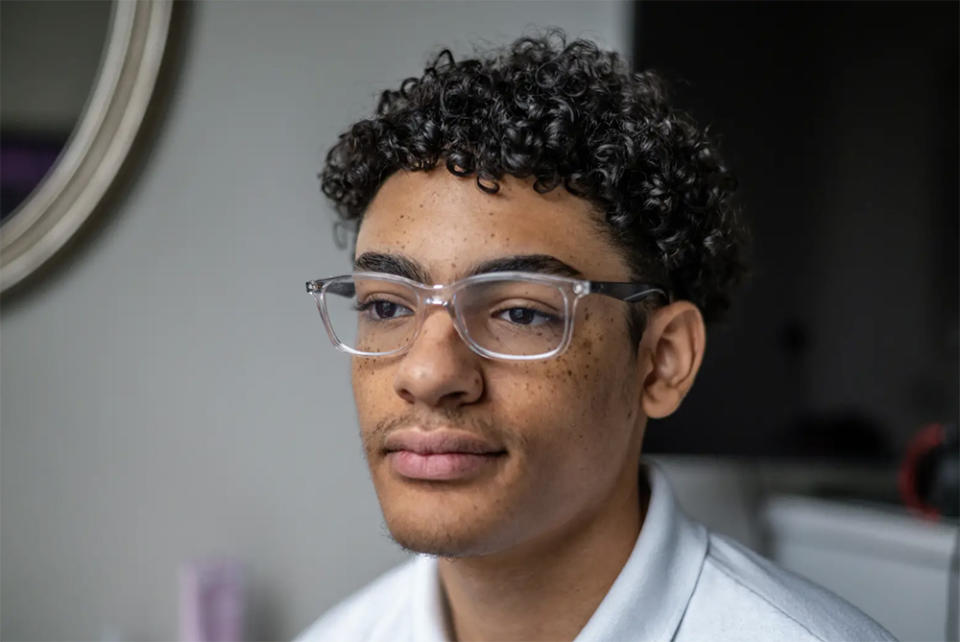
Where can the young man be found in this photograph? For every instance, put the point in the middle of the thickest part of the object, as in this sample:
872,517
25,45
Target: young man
540,239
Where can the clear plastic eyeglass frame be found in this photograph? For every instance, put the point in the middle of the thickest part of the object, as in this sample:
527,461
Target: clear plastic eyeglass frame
445,296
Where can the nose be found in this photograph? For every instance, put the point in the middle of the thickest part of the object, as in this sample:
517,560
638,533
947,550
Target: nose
439,369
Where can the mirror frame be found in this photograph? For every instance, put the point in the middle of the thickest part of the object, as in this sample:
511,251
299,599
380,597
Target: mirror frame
98,145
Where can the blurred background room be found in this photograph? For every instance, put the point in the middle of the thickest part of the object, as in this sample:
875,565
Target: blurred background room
174,423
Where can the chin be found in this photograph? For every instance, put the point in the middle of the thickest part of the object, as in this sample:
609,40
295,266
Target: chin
438,537
447,545
438,521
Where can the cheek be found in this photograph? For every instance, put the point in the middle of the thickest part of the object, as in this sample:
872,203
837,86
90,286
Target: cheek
600,366
372,390
573,408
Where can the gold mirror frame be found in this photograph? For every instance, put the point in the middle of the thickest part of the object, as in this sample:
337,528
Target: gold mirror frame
98,145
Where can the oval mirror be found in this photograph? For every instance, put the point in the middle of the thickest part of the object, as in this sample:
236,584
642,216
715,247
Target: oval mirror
77,78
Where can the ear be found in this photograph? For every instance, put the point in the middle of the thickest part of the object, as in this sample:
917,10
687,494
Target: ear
672,347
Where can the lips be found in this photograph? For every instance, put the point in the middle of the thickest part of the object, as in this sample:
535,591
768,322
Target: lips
440,455
439,441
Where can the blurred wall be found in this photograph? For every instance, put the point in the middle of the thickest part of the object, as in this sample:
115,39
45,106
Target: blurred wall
168,392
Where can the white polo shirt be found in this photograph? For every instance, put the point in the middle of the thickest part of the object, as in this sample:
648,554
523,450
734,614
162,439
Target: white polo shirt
680,583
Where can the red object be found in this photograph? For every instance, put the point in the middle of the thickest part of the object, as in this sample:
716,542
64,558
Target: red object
928,439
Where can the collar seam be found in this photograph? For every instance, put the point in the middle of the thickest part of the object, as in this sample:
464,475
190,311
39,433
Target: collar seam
686,606
723,569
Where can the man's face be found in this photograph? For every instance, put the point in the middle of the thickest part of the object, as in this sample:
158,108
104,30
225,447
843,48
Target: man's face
567,430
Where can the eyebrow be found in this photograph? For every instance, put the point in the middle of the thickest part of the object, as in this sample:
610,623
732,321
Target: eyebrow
542,263
403,266
391,264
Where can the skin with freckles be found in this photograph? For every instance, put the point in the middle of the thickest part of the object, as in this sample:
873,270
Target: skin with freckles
531,544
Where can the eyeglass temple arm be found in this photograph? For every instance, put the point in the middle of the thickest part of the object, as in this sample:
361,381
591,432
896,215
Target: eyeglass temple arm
629,292
346,289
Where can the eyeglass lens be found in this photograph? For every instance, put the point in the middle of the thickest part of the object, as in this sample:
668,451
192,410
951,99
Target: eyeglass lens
509,316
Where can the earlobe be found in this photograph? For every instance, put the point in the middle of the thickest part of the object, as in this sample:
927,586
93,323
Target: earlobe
675,342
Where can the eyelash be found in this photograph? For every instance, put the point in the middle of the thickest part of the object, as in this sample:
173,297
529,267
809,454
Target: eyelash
370,303
546,316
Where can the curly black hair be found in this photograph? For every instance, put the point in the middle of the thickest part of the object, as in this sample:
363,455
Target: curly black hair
571,115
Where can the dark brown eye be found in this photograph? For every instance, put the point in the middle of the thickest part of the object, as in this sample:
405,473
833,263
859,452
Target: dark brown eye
382,310
525,316
385,309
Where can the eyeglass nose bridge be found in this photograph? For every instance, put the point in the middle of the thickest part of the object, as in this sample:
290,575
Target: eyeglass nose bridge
441,301
442,296
437,295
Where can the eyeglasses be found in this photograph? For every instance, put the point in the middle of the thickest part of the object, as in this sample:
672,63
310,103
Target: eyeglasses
499,315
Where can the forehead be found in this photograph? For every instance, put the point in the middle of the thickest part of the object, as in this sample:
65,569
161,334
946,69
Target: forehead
447,224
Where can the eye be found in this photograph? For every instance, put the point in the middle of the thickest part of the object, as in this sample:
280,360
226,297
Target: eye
382,310
525,316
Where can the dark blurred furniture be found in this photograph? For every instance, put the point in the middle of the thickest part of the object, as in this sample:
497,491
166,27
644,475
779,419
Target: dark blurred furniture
840,120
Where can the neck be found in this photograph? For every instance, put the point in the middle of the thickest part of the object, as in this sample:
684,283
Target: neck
548,589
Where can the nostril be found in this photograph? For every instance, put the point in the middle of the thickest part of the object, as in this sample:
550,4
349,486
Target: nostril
406,395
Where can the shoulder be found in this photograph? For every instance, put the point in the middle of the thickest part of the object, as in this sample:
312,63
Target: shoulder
741,595
362,614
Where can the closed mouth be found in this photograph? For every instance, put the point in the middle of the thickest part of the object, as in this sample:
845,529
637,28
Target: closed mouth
440,441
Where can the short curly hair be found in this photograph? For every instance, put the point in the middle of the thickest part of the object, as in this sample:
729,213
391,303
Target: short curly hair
565,114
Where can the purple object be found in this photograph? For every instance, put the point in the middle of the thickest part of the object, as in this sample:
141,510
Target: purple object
24,161
211,601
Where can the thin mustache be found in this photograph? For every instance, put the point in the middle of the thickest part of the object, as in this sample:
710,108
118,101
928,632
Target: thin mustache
481,428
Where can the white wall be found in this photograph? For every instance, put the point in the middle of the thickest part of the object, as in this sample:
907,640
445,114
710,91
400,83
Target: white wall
171,394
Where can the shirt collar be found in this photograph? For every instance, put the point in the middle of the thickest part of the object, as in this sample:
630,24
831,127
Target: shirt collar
428,620
651,593
646,601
